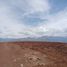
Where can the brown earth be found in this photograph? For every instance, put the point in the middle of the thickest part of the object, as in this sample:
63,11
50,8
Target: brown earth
33,54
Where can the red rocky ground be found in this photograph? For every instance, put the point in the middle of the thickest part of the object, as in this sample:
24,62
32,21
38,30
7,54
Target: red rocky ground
33,54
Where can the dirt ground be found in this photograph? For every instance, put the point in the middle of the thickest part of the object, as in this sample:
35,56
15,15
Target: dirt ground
33,54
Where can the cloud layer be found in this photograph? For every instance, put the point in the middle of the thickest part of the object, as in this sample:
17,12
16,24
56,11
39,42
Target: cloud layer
31,18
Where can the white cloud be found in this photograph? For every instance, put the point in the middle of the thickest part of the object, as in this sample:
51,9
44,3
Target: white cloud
57,24
12,27
8,25
39,5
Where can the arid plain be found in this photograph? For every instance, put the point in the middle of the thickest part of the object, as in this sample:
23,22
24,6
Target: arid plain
33,54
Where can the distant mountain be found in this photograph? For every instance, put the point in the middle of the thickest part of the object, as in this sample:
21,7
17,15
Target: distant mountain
44,38
54,39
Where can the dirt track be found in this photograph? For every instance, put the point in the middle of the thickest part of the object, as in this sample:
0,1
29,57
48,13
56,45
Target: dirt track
33,54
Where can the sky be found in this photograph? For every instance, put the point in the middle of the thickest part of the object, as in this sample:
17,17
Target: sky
33,18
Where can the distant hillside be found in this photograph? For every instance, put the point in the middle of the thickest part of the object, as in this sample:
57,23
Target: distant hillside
43,39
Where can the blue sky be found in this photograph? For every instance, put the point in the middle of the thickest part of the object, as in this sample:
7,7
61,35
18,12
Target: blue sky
33,18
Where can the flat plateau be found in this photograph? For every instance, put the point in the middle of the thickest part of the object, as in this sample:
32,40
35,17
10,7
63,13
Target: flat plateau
33,54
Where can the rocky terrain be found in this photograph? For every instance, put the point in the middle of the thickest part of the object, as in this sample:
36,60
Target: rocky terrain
33,54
